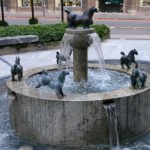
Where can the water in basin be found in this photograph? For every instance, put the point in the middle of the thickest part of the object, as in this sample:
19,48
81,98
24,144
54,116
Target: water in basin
98,82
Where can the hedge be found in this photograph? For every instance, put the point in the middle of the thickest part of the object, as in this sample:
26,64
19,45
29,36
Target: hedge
46,33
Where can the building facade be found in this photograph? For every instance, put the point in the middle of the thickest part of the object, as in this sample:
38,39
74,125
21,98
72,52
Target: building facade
125,6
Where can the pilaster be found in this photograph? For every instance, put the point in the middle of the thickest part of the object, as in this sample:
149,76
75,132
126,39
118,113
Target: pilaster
132,6
12,5
88,3
51,5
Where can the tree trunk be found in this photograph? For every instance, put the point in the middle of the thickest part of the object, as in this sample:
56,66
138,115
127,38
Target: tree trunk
2,11
32,9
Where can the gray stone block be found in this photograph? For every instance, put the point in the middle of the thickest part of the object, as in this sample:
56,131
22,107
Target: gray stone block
19,39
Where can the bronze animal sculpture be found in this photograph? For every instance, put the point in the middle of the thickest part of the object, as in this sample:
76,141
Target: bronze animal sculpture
84,19
138,78
57,85
60,58
17,69
128,59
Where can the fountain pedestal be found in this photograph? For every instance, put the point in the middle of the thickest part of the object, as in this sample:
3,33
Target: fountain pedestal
80,64
80,41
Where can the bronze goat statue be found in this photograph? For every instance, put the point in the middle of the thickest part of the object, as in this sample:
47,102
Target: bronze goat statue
85,19
57,84
138,78
128,59
17,70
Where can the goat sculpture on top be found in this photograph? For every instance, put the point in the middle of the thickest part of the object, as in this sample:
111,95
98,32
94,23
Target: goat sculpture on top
84,19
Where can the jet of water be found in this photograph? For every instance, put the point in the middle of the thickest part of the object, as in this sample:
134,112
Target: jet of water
110,110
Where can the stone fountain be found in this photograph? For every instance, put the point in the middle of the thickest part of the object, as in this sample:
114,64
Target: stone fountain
76,120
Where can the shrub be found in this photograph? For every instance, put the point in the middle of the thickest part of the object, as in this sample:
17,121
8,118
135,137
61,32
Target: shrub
102,30
33,21
47,33
3,23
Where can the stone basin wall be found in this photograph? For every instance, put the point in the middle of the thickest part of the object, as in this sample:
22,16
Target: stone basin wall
76,121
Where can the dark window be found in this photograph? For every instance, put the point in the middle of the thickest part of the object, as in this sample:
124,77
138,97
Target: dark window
27,3
146,2
72,2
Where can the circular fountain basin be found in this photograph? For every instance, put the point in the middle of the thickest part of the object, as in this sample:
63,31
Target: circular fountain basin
76,120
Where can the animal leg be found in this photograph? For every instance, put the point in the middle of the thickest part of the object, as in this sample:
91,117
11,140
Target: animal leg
139,85
136,64
122,67
133,81
86,26
21,74
128,66
19,77
121,63
13,78
61,92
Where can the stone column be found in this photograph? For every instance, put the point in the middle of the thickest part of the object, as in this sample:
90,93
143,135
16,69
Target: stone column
88,3
132,6
80,40
91,3
84,4
12,5
51,5
80,66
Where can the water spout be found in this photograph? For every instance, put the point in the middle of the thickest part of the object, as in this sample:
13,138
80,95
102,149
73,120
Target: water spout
65,52
110,109
96,46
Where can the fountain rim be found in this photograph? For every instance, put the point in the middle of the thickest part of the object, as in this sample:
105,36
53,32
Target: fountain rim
80,31
23,88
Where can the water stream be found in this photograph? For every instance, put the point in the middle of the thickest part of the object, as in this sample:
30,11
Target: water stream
96,83
110,110
66,50
96,46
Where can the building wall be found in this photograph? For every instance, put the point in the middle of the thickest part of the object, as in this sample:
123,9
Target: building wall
11,5
51,5
130,6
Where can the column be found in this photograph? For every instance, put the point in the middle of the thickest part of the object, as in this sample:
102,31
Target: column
51,5
132,6
80,67
84,4
12,5
141,3
91,3
88,3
